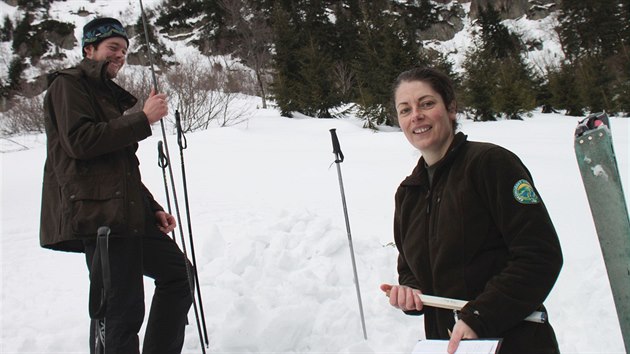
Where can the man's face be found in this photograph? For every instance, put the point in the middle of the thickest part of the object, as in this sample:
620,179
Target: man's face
112,49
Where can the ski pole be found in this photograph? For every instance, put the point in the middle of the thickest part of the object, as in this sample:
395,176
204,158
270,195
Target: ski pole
163,163
183,144
339,159
100,283
170,170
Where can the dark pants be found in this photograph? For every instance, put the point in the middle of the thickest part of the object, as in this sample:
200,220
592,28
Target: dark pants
157,256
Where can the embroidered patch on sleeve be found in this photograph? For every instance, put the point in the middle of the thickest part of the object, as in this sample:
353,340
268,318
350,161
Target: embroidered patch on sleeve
524,192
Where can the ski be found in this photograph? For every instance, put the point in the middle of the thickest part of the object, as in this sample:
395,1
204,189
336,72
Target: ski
602,182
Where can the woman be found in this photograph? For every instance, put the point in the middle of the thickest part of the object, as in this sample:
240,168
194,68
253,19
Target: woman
469,225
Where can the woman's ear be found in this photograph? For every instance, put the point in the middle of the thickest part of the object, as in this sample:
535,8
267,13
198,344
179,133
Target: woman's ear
452,110
452,107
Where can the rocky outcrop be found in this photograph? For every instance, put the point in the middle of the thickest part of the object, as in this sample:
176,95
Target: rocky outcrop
451,22
513,9
452,14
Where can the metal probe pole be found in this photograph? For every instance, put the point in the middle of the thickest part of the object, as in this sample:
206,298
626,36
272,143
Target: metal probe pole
338,160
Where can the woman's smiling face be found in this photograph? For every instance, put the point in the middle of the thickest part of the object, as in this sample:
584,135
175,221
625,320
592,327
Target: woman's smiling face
424,118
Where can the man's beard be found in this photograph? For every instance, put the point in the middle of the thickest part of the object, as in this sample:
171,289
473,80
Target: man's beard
111,71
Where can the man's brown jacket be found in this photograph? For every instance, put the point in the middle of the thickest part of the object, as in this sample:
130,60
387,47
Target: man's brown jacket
91,175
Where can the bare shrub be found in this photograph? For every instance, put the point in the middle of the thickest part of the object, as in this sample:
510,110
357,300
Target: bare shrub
194,88
235,109
344,79
25,115
201,95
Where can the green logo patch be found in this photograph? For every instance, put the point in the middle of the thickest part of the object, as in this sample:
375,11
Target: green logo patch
524,192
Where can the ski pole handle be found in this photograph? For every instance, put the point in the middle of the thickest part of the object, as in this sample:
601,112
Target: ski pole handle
181,138
103,231
336,147
162,159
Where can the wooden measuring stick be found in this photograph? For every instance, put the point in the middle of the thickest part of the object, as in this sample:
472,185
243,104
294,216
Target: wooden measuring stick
454,304
457,305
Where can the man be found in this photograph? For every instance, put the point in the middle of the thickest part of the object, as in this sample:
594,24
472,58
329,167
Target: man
92,179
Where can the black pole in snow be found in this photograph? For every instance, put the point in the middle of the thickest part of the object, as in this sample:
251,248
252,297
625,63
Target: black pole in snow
167,158
100,285
338,160
183,144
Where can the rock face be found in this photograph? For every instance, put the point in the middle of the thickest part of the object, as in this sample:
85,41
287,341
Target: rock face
451,23
65,41
513,9
452,14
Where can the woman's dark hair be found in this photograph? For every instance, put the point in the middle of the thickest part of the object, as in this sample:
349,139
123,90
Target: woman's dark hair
438,81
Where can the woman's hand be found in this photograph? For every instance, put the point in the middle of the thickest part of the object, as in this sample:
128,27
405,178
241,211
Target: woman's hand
460,331
165,221
403,297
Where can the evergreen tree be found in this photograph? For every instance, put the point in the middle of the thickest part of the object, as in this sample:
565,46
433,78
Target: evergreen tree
315,92
158,48
303,59
479,84
544,96
22,32
592,27
417,15
345,31
621,98
285,61
621,62
345,45
515,90
385,50
624,30
16,68
497,80
564,89
32,5
496,38
176,13
594,81
595,37
7,30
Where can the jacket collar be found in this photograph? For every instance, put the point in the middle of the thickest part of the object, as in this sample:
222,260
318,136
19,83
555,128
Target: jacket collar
95,73
419,174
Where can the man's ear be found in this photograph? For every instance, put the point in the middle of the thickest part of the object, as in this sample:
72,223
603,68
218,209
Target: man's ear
88,51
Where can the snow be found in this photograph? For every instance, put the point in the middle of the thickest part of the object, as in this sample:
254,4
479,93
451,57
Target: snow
599,171
456,48
543,31
270,238
271,244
